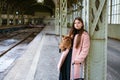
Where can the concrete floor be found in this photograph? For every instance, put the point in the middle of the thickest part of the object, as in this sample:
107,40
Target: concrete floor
113,60
47,65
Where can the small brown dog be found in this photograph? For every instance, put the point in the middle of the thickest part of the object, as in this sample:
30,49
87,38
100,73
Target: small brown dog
65,43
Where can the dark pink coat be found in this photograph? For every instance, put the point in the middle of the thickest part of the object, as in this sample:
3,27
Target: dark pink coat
78,54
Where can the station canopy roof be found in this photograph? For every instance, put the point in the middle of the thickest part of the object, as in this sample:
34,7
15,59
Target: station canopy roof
31,6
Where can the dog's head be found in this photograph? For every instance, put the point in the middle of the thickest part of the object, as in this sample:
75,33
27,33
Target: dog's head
65,43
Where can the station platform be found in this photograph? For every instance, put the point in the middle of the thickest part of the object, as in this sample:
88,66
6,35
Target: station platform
39,61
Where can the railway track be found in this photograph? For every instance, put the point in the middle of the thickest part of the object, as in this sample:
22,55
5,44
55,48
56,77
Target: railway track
16,44
21,36
6,37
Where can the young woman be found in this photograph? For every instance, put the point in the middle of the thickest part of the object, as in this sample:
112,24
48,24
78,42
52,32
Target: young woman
77,53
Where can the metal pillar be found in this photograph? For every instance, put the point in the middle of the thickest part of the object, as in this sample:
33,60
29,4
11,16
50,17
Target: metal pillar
0,18
97,59
85,13
70,16
63,17
57,19
71,19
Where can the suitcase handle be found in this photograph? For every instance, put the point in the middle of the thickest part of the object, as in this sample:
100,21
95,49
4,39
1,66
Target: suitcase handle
81,71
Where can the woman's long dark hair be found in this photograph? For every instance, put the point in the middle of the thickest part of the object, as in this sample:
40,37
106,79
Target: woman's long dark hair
72,31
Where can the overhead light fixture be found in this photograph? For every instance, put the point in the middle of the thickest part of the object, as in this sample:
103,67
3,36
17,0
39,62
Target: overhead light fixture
40,1
16,12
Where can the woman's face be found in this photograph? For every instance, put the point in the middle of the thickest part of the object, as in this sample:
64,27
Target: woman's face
78,24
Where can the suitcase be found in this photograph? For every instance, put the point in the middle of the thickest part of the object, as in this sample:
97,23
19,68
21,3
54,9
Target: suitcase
81,72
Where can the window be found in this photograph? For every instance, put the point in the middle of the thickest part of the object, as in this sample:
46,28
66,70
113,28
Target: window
114,12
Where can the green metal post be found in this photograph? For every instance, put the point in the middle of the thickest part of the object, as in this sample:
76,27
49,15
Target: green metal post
97,59
57,20
63,17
